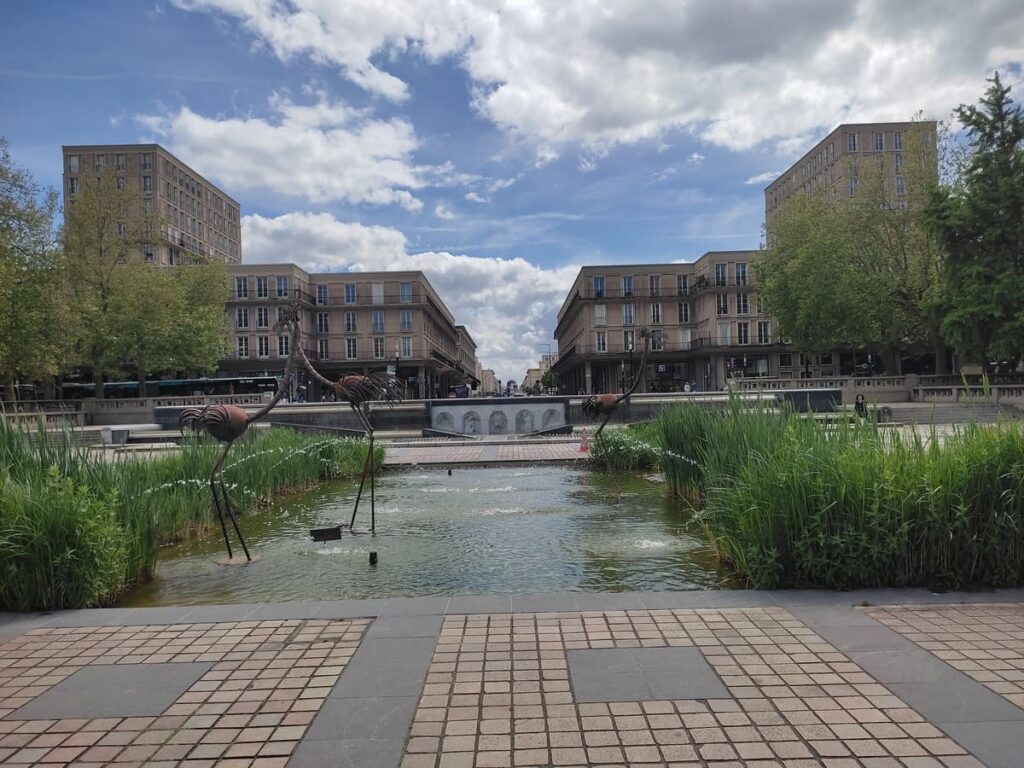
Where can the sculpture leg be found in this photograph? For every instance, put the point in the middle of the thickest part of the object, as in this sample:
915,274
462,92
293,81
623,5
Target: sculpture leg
227,503
366,464
220,512
599,439
373,468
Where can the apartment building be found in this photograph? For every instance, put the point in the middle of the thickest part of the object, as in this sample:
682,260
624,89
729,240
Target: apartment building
834,163
195,217
356,322
706,319
489,382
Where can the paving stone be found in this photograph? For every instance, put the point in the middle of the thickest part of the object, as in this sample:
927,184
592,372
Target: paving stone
996,744
350,753
374,718
405,626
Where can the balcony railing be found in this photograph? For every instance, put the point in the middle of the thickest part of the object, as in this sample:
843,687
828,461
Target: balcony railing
361,300
667,346
293,293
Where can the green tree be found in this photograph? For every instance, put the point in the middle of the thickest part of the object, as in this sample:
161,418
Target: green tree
980,220
33,302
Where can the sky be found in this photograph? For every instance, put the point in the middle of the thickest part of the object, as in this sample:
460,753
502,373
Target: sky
497,145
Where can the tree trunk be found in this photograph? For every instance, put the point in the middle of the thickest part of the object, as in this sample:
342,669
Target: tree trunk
940,356
97,380
10,397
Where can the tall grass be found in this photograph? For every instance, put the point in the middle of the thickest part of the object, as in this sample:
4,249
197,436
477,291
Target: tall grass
792,502
60,502
628,449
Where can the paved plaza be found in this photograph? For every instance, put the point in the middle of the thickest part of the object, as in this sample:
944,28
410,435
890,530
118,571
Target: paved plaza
715,679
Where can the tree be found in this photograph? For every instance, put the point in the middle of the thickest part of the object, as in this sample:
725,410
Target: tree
33,302
980,221
860,271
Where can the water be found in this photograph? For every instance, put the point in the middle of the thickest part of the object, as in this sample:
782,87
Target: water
478,531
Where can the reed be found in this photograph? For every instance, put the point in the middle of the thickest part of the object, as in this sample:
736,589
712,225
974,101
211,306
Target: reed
628,449
76,529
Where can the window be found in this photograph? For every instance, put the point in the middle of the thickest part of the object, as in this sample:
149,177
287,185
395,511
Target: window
684,311
897,140
656,313
321,322
682,284
350,293
722,301
147,161
898,159
405,320
262,291
280,314
119,162
323,350
853,187
378,347
655,284
602,341
120,182
600,314
350,322
723,333
263,346
73,164
901,185
99,162
122,228
598,287
804,360
73,186
378,321
350,349
760,306
148,251
321,294
657,342
243,346
377,293
262,317
764,332
628,340
851,142
741,273
242,287
405,350
825,358
627,285
879,141
721,273
627,314
242,317
405,293
282,287
742,304
786,360
742,333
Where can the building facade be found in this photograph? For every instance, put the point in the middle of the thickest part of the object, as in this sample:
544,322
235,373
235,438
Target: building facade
834,163
707,323
195,217
357,322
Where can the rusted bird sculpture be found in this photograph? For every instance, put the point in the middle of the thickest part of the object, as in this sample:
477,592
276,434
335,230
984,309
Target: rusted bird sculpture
359,390
596,406
227,423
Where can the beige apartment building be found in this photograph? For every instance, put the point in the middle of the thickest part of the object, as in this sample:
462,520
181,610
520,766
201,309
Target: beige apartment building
707,323
352,322
489,382
195,216
834,163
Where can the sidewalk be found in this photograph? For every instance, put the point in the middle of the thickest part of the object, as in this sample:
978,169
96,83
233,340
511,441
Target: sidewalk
709,679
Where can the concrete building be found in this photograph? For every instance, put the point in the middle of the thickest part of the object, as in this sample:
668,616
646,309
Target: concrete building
489,382
706,317
194,216
353,322
834,162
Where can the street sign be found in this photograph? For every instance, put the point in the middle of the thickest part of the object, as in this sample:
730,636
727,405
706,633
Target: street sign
391,370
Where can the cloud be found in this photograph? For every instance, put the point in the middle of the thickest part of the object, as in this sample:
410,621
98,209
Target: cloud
443,212
323,151
508,305
598,74
763,178
696,158
473,197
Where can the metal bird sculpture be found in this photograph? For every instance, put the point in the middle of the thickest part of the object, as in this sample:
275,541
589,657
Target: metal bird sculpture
227,423
596,406
358,390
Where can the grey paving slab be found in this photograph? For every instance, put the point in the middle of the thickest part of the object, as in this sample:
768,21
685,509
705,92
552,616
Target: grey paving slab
739,598
298,609
953,701
609,674
114,690
88,617
997,745
611,660
167,615
460,604
381,681
551,603
381,651
857,639
616,601
348,753
348,609
666,684
663,600
364,718
592,687
911,665
413,606
405,626
205,614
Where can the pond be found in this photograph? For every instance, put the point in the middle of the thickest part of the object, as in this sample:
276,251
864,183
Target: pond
477,531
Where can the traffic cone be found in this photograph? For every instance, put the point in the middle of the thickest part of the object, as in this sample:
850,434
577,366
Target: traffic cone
584,442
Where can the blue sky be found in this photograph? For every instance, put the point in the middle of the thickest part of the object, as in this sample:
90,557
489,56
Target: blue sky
498,146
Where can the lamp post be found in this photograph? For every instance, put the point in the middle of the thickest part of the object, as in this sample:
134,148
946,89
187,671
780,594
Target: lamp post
405,394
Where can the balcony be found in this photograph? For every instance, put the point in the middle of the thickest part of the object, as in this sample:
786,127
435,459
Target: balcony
668,346
703,283
295,294
388,299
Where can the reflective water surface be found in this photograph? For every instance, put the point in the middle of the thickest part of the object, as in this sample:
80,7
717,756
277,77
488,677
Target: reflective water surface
478,531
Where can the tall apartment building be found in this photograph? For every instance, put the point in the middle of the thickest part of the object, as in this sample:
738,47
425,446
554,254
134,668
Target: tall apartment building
707,321
194,216
356,322
833,163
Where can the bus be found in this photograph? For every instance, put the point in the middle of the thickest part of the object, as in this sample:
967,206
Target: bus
241,385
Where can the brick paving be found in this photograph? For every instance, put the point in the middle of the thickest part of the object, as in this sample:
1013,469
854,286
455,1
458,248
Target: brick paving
265,682
985,642
499,693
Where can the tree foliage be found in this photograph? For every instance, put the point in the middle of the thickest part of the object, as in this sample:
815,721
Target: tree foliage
33,300
980,220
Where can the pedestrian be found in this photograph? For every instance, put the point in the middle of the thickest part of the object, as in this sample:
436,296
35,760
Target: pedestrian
860,407
686,387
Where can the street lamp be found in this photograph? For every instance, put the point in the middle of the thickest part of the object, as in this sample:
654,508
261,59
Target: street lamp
405,393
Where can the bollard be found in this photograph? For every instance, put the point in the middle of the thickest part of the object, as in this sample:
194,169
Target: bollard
449,473
373,558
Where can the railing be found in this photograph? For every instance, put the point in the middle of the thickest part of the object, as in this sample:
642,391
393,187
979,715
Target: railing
957,380
272,295
94,405
708,284
668,345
